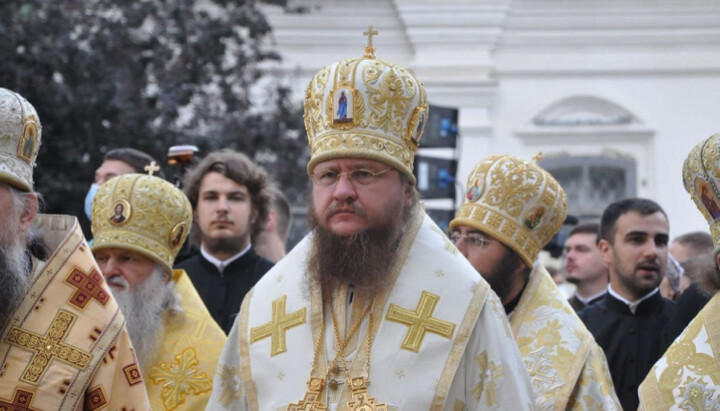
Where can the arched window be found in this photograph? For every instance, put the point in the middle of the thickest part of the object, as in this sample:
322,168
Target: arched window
592,182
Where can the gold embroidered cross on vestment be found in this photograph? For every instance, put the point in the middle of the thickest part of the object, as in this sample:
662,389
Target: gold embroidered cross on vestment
277,327
420,321
180,378
49,347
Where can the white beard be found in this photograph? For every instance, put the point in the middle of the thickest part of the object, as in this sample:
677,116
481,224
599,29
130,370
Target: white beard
143,309
14,268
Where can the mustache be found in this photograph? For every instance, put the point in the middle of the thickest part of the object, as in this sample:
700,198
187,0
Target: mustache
653,264
119,281
339,206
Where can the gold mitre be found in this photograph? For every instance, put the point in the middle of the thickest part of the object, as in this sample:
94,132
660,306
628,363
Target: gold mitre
365,108
20,132
514,201
701,178
141,213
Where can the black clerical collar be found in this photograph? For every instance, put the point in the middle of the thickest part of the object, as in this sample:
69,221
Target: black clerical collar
221,264
648,303
509,307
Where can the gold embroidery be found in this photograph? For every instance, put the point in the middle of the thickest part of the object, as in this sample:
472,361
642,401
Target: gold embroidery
87,287
48,347
490,374
459,406
231,385
542,372
276,328
420,321
449,246
180,379
683,354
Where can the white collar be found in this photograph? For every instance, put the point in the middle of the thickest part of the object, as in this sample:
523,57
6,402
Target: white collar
632,305
219,263
587,300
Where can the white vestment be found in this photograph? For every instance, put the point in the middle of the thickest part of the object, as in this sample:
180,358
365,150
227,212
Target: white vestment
440,339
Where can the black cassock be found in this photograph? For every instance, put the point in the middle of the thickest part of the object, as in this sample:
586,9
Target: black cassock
223,292
632,342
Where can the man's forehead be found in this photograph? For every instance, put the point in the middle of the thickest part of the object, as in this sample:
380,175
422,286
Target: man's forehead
118,251
465,229
635,222
216,182
115,167
350,163
582,238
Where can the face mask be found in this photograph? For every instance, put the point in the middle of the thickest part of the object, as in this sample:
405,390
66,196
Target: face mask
89,197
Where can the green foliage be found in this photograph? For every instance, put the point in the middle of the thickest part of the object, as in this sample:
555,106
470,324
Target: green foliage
146,74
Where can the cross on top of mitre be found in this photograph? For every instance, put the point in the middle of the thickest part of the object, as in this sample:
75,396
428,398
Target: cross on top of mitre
370,49
152,168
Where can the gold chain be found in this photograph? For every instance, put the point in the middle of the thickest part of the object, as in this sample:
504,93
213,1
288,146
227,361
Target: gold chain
343,344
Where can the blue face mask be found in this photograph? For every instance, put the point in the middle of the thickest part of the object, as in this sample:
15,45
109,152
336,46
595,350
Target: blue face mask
89,197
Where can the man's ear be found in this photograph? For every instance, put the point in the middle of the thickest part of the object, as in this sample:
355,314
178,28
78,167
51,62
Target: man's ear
409,195
271,220
606,249
29,212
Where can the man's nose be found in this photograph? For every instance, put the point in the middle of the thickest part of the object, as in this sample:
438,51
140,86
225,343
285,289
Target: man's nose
344,188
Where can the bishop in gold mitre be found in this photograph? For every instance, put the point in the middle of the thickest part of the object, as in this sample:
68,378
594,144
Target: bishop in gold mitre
139,224
63,341
512,209
688,374
374,309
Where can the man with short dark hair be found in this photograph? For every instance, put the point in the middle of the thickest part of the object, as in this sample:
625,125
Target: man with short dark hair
502,238
688,375
633,323
270,242
63,340
585,266
228,193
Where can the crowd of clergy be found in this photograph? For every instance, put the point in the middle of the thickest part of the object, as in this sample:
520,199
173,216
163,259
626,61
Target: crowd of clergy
184,298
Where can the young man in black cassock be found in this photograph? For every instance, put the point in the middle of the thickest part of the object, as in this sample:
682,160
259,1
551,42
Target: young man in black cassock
633,324
230,202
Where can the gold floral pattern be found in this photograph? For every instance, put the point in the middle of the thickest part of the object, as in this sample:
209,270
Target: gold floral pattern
180,379
388,103
521,204
491,373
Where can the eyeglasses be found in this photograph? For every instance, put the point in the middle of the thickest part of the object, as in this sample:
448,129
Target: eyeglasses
474,240
358,176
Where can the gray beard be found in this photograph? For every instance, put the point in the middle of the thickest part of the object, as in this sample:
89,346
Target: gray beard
14,275
143,309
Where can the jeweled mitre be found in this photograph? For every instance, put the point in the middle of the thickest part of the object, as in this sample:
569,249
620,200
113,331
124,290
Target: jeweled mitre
514,201
141,213
701,178
365,108
20,133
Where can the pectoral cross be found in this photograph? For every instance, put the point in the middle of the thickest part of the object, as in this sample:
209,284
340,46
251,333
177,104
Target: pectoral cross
370,49
312,400
361,400
152,168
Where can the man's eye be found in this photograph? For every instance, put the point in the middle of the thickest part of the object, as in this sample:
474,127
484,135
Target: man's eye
362,175
328,176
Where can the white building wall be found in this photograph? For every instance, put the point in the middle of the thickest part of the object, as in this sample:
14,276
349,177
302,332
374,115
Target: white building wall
502,62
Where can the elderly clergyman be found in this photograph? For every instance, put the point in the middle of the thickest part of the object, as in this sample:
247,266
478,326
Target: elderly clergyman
63,341
375,309
176,339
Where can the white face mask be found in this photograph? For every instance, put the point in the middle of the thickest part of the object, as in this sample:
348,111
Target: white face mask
89,197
